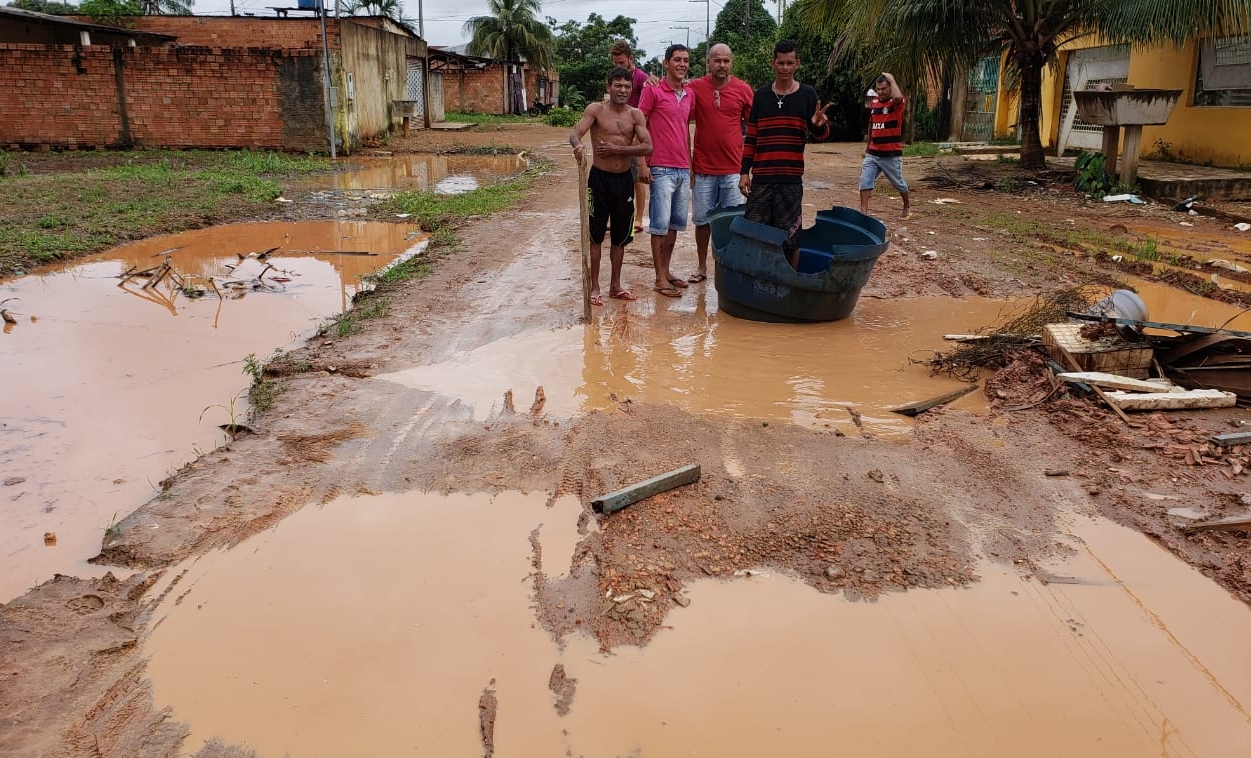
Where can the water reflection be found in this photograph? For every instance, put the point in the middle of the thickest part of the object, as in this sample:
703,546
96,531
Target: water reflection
109,388
448,174
708,362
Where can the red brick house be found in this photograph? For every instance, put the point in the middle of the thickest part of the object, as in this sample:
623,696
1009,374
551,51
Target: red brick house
214,82
485,85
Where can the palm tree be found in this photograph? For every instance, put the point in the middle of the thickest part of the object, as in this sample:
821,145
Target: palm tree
166,7
512,31
393,9
920,37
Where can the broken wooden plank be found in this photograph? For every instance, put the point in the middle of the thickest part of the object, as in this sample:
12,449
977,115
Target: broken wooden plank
615,501
921,406
1114,381
1233,438
1068,357
1172,401
1230,524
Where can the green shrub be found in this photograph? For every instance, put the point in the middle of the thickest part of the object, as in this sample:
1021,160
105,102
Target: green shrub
566,117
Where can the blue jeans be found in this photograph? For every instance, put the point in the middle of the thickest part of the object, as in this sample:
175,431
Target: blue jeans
713,192
891,167
670,199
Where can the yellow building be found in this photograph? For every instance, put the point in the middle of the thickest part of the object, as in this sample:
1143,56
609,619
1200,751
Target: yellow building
1210,125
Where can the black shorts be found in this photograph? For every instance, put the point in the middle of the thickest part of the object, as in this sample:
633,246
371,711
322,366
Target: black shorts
780,206
611,197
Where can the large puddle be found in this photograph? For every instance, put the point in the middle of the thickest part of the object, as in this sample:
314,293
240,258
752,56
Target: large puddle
704,361
308,640
109,389
446,174
113,388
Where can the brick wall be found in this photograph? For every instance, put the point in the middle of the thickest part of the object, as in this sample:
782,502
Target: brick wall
474,91
482,90
242,31
60,96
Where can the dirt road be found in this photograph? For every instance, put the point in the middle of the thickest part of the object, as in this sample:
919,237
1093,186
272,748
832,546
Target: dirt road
834,506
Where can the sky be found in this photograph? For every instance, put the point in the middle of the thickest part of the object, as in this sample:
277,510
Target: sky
444,19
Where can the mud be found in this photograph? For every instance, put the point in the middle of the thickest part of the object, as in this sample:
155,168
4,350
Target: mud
814,575
114,385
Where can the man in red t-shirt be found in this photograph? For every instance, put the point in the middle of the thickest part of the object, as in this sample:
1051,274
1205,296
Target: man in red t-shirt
722,105
623,57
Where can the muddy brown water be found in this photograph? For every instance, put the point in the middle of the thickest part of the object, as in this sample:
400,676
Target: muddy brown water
386,648
449,174
111,388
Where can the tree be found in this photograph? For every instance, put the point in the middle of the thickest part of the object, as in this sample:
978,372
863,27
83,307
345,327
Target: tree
512,32
165,7
581,53
46,6
110,12
840,80
392,9
751,37
919,38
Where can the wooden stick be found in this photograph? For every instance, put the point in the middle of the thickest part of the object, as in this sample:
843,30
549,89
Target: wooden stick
1073,364
912,409
1231,524
615,501
584,212
1234,438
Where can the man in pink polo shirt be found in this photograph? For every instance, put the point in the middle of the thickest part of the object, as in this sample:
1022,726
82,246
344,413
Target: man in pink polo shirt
667,107
722,105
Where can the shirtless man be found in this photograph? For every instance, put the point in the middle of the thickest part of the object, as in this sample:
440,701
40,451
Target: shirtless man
623,56
618,134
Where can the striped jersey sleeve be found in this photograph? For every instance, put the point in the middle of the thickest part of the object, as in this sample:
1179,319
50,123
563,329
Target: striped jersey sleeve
773,149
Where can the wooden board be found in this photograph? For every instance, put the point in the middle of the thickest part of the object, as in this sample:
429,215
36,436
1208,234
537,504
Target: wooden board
615,501
1114,381
1172,401
584,212
912,409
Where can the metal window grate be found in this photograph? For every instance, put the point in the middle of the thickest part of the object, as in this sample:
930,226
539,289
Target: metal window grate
1070,103
1233,51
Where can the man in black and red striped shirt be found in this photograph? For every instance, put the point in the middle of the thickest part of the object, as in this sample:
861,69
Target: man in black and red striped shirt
784,115
884,153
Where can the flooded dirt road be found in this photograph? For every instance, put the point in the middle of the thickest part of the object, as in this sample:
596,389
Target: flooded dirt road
1112,661
113,385
401,560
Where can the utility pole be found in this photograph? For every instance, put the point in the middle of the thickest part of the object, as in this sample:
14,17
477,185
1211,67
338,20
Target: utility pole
688,34
746,20
707,21
325,65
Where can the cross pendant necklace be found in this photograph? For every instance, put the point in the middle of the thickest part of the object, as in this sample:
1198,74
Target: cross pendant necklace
781,96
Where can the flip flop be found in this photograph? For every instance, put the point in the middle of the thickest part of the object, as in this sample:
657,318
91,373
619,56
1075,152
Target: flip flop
679,283
623,295
697,278
669,291
597,299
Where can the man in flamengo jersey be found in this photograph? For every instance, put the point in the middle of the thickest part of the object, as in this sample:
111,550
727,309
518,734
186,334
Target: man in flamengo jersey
784,116
884,152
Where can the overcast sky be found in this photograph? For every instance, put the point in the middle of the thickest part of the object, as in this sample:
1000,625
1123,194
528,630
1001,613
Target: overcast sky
444,19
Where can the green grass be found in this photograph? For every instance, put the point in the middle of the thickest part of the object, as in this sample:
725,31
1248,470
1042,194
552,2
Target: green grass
487,118
83,202
436,212
923,149
263,391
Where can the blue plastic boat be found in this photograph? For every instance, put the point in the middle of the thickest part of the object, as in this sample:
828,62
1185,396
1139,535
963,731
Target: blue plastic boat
754,281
